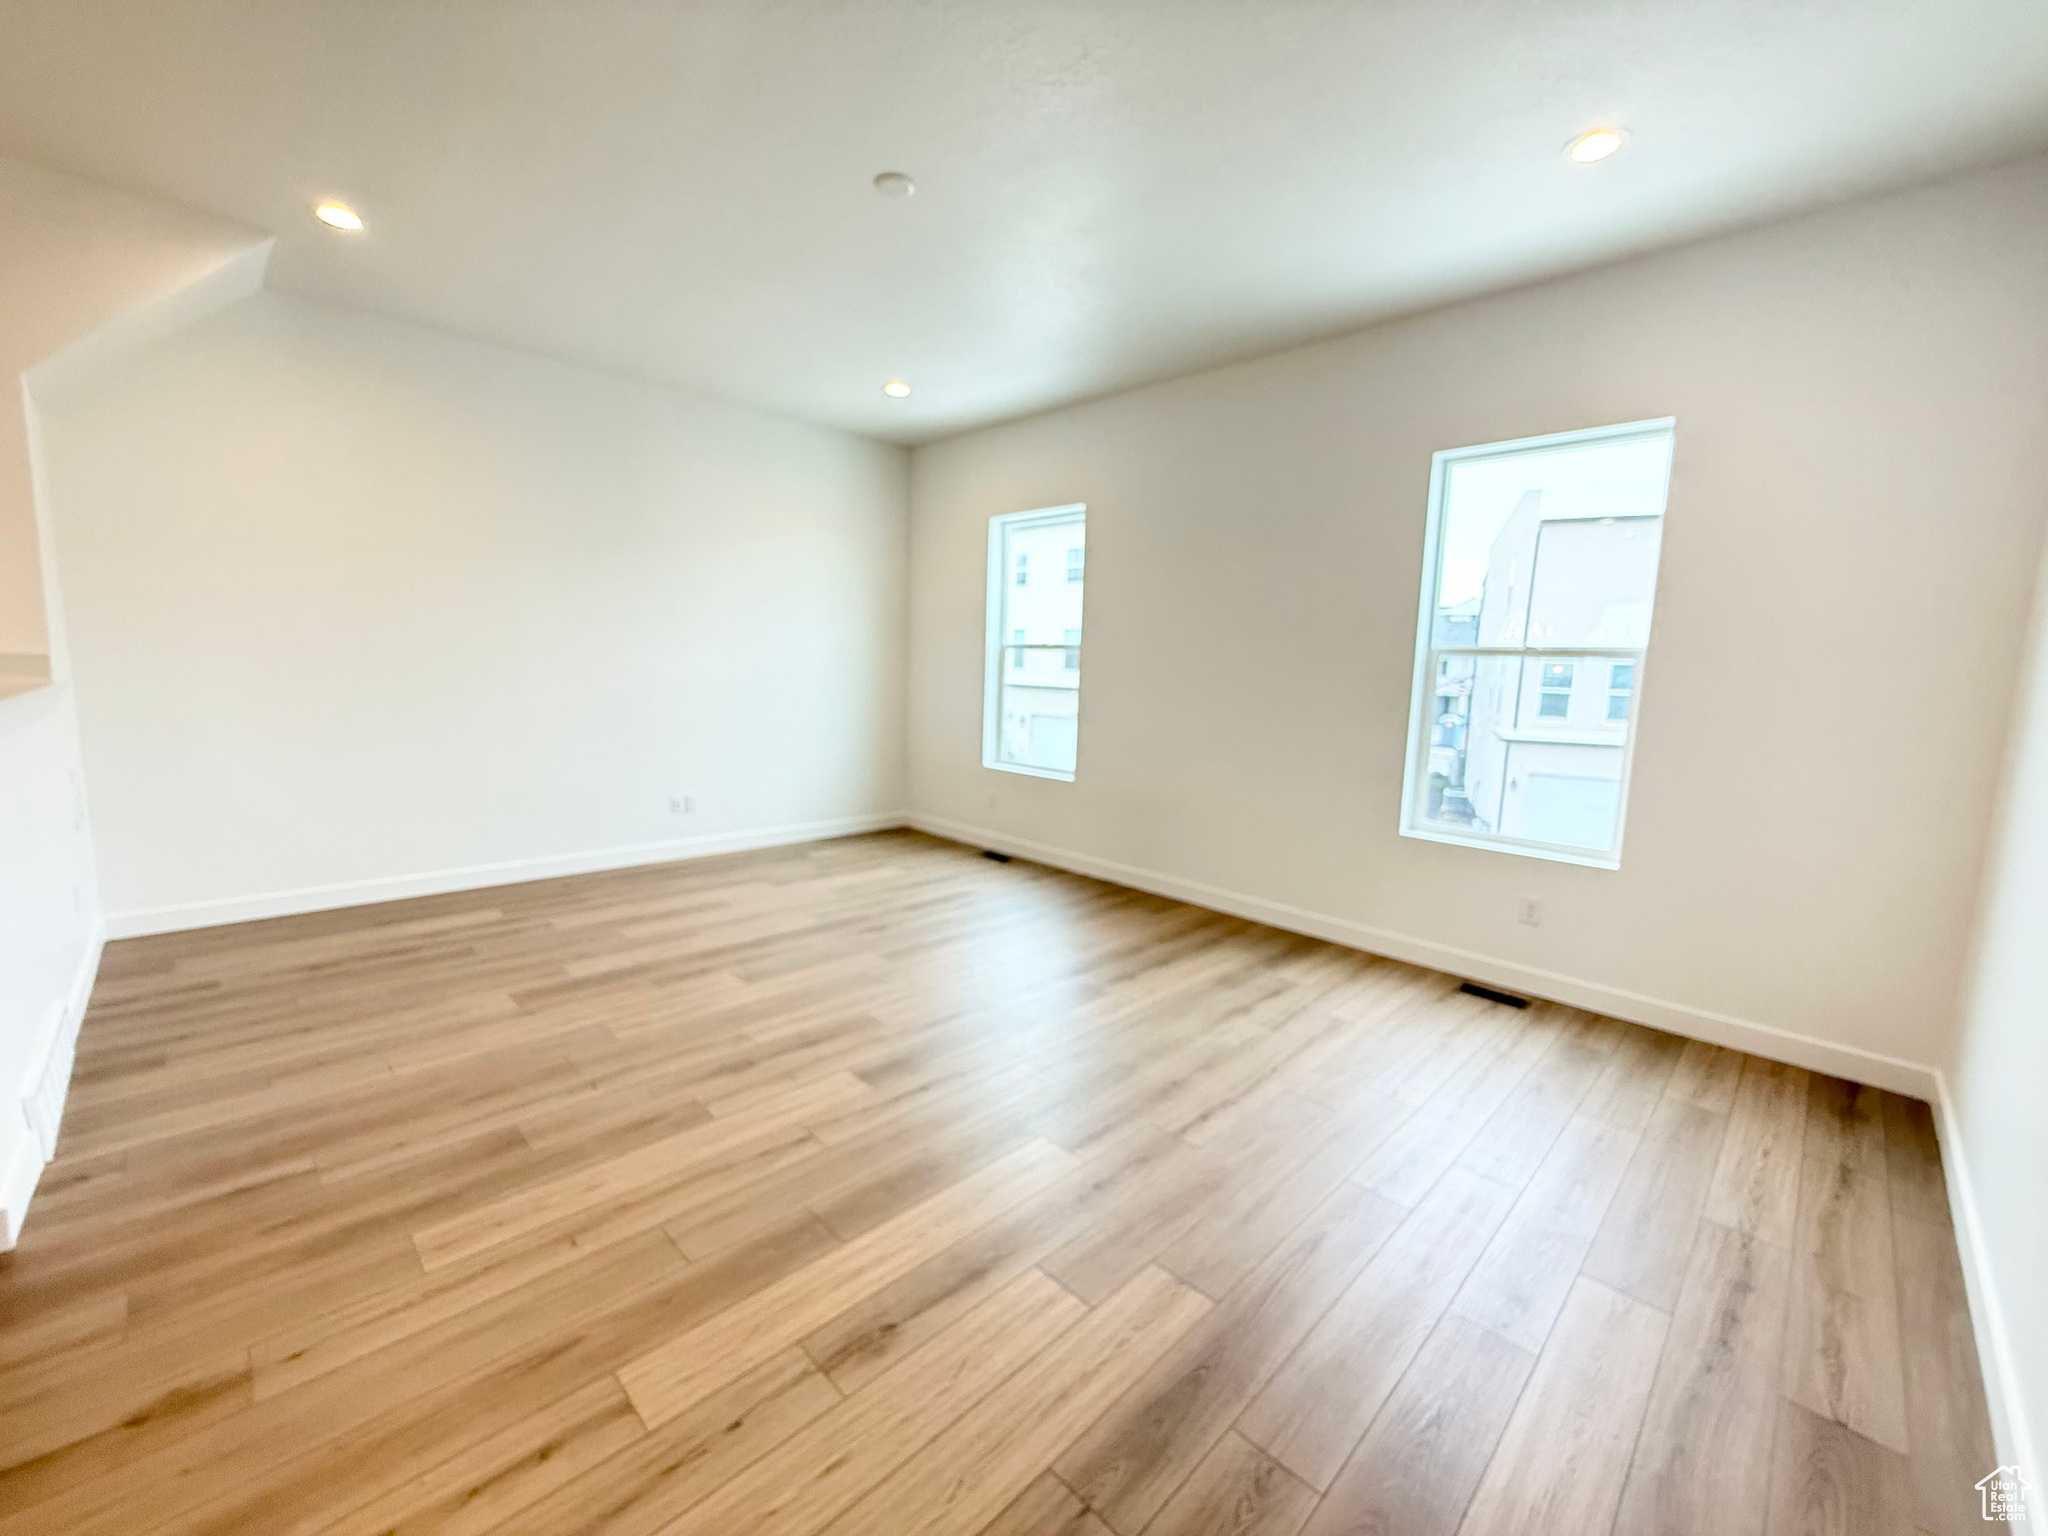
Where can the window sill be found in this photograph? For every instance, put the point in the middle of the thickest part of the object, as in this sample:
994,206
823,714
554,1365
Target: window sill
1029,773
1521,850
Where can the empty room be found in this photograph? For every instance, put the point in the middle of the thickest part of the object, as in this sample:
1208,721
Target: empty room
1237,768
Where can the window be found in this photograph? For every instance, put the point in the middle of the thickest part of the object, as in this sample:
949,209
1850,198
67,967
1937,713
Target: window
1539,577
1031,719
1621,681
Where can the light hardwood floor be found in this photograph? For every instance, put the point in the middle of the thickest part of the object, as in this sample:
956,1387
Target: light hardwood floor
875,1187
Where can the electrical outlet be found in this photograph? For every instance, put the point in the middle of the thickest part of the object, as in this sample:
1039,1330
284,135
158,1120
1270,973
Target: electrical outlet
682,805
1532,912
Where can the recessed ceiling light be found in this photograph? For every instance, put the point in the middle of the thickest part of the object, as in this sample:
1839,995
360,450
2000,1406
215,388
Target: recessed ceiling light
339,216
895,389
895,184
1595,145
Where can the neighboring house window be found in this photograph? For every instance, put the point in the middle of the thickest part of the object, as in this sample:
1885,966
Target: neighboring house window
1031,714
1621,682
1539,572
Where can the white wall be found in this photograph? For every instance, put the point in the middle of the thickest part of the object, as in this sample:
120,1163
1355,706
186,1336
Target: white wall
1856,509
73,255
1998,1115
359,609
76,261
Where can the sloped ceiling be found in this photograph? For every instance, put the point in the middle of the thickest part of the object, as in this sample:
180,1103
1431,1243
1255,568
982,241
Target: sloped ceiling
1108,192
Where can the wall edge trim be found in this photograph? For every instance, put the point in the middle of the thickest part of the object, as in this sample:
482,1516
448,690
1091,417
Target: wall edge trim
140,921
1912,1078
21,1161
2011,1432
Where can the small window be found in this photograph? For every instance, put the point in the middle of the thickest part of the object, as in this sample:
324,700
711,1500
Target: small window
1555,700
1539,574
1621,682
1031,716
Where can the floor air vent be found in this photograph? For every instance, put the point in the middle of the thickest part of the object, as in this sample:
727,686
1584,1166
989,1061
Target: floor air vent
1492,996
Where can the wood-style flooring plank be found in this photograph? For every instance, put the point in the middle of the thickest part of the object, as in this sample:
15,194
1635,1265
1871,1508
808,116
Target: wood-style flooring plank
1522,1279
969,1473
1564,1456
1830,1481
1702,1461
1316,1407
1644,1241
1706,1075
865,1339
1842,1350
826,1467
1236,1490
476,1490
676,1374
1756,1183
1947,1426
1130,1461
1046,1508
642,1489
1416,1468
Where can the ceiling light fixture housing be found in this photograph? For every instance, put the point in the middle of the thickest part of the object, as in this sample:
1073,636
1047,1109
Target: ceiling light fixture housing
339,216
1595,144
895,184
896,389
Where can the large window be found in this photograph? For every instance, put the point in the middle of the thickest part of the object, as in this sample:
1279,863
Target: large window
1539,576
1032,705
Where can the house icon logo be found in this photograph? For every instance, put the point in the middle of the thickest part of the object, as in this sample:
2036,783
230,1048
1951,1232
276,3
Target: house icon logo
2005,1495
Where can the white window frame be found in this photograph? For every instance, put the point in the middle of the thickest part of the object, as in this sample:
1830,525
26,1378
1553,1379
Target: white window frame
1427,653
998,603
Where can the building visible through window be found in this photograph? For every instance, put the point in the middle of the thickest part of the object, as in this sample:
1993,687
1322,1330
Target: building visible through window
1031,721
1540,579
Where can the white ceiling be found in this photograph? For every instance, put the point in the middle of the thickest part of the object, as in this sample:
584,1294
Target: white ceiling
1108,192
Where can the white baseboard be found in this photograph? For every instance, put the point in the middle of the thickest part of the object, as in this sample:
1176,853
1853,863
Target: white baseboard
21,1166
2009,1424
48,1075
360,893
1907,1077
